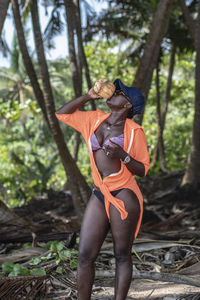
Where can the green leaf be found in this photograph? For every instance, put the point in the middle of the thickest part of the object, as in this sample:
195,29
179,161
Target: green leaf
7,266
66,254
74,252
12,274
60,246
37,272
59,270
74,263
136,254
35,261
49,255
19,270
27,245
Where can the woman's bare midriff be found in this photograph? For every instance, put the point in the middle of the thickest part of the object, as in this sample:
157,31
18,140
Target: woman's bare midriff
106,165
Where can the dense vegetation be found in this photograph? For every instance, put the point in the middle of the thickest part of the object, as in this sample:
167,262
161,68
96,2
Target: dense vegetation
30,162
29,159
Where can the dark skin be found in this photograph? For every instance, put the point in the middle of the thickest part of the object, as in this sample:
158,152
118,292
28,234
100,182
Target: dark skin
96,225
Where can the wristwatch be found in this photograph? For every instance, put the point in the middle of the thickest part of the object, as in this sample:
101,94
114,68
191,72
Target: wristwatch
126,160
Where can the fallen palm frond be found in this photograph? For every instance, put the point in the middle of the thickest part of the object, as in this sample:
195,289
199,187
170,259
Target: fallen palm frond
15,287
27,287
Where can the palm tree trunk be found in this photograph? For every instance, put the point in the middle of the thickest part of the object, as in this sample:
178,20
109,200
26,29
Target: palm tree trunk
79,187
27,60
149,59
3,11
80,44
159,152
75,61
192,174
70,17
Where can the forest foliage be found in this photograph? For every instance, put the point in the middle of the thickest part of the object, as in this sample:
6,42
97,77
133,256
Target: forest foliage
30,162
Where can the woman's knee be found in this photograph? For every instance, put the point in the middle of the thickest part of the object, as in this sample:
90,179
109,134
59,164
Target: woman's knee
122,255
86,256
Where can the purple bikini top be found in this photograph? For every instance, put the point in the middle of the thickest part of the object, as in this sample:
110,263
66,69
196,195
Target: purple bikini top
119,140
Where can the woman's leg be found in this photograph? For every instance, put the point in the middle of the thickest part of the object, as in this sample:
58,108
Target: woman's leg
123,235
94,229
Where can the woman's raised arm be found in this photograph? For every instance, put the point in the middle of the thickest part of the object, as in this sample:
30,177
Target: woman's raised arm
73,105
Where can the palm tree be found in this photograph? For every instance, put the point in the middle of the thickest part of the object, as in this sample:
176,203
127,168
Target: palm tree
75,179
77,56
150,56
15,84
77,182
139,14
27,60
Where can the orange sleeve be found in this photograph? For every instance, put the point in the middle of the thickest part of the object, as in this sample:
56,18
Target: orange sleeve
79,120
140,152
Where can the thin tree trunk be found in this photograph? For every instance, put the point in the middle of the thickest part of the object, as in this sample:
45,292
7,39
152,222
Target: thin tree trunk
159,150
189,21
81,59
79,39
164,108
82,52
27,60
149,59
156,152
3,12
192,174
77,143
75,61
79,187
168,87
70,17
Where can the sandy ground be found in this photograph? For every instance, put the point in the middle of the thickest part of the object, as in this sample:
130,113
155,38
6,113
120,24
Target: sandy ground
146,289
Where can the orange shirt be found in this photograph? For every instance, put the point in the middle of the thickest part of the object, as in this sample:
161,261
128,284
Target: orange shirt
86,122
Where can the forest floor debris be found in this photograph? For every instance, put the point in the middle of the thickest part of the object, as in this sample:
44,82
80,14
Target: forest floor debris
167,248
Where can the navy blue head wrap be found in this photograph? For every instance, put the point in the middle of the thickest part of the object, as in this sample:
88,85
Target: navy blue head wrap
135,96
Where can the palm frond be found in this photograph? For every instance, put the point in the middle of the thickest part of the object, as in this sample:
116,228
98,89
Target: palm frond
54,27
88,8
27,287
26,10
15,287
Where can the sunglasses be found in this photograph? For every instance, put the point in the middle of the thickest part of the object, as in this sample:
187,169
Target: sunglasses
120,92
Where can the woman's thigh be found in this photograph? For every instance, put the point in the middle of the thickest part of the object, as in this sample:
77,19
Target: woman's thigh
123,231
94,228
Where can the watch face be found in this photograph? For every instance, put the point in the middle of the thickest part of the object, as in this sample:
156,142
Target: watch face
127,159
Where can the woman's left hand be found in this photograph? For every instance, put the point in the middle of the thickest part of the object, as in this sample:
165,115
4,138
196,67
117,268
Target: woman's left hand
114,151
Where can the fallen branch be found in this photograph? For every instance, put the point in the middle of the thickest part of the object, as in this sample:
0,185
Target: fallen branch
154,276
28,237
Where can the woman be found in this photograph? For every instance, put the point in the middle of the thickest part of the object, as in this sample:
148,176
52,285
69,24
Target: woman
118,151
